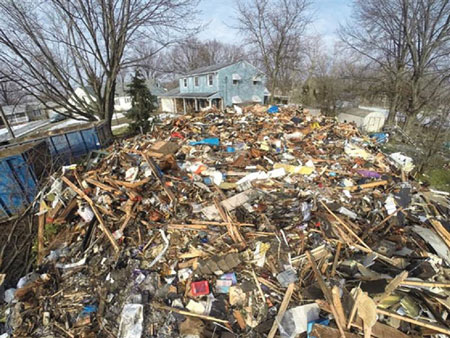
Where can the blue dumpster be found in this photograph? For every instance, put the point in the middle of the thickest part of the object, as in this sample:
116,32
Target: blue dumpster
24,164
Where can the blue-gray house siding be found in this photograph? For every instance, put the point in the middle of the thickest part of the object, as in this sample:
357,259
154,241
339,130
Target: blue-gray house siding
218,85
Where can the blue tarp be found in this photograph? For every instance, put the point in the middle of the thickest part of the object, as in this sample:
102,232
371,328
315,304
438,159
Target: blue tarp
212,141
273,110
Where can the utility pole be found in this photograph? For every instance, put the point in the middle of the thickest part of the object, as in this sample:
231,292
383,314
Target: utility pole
6,122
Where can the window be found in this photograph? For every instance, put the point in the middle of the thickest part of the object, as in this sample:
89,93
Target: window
236,78
185,83
127,99
116,100
210,79
196,81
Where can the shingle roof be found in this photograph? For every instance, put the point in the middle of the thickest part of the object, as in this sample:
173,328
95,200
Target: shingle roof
209,69
176,93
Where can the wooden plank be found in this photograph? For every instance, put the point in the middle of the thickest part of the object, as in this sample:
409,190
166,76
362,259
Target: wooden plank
96,213
321,331
335,293
393,284
41,228
367,185
336,259
346,227
420,323
325,291
282,310
154,169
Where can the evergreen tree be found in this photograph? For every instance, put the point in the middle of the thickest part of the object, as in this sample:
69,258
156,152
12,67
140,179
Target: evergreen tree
143,104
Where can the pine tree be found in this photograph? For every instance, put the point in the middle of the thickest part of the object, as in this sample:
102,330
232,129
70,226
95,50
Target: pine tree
142,102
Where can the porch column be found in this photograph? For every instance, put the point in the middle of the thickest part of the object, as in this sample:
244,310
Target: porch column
184,105
209,103
196,104
174,102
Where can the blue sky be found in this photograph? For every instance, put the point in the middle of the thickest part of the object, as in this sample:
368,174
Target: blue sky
220,13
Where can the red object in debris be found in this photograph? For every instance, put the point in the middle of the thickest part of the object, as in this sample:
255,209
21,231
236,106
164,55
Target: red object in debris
176,134
200,288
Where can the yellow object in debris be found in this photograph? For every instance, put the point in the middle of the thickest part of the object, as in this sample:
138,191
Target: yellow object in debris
315,125
292,169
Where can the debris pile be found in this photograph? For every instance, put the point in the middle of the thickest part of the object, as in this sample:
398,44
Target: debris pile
248,223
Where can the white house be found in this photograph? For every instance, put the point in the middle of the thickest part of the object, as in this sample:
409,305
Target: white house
122,101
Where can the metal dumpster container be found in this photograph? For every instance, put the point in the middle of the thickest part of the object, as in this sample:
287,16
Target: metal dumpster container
22,168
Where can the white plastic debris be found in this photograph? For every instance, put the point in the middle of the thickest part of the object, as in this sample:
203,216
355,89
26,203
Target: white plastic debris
86,213
163,251
295,321
403,162
346,212
9,295
389,204
131,321
131,174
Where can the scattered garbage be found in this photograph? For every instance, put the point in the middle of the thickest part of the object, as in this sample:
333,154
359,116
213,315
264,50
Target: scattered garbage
238,223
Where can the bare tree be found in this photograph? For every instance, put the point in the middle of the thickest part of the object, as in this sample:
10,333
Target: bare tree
193,53
274,29
428,42
409,41
378,31
52,47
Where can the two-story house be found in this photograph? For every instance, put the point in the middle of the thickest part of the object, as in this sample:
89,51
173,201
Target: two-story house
220,85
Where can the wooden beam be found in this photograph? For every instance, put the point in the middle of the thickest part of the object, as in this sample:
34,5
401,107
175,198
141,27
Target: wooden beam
282,310
421,323
41,227
91,203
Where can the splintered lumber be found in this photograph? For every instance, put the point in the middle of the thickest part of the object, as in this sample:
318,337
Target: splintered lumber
101,185
66,212
379,330
95,210
325,291
442,232
336,259
130,185
41,226
346,227
321,331
338,306
155,171
187,313
393,284
233,231
366,186
421,323
282,310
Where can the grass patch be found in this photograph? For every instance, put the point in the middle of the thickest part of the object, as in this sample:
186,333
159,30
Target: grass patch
120,131
437,178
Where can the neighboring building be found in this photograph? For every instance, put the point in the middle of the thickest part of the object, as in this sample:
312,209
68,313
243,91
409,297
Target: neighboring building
22,113
221,86
122,101
366,120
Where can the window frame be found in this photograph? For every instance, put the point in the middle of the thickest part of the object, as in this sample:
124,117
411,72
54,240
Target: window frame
210,80
185,82
196,81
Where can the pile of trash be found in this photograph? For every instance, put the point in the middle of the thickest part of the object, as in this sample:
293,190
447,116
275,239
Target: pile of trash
247,223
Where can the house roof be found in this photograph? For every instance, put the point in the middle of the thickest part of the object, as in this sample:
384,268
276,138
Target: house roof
176,93
150,83
359,112
14,109
209,69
